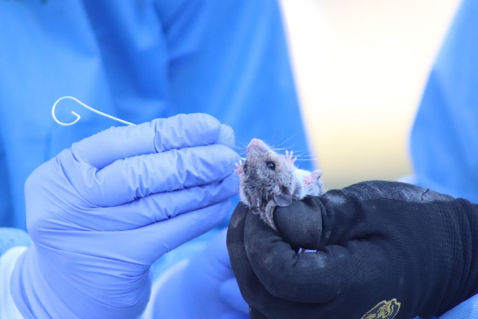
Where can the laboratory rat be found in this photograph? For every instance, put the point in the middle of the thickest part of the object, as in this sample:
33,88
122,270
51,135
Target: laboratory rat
268,179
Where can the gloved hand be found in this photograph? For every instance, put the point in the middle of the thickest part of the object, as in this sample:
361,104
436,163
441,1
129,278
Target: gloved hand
384,250
101,212
203,287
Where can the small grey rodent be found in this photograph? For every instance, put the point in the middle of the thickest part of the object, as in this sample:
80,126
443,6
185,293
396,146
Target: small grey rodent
268,179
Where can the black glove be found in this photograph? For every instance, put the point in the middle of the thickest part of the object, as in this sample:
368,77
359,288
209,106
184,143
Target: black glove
384,250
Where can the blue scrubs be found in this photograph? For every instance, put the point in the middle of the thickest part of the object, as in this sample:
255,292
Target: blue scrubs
137,60
444,139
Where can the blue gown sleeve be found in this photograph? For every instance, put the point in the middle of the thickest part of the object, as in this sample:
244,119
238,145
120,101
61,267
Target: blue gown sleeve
444,138
234,64
138,60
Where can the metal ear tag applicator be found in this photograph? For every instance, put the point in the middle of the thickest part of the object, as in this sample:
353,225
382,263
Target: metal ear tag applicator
78,117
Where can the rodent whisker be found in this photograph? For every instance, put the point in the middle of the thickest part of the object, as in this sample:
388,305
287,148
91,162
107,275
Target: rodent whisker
239,147
285,140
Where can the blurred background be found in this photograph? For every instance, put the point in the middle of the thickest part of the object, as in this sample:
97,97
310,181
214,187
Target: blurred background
360,68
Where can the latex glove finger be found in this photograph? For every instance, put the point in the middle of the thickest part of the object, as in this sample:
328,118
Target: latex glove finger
132,178
163,206
183,228
226,136
151,241
150,209
183,130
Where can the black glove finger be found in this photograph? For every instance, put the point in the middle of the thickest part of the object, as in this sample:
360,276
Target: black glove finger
314,277
251,288
275,294
359,211
301,223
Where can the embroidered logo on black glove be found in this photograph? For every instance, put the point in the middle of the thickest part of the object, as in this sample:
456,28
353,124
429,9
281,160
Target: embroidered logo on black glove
383,310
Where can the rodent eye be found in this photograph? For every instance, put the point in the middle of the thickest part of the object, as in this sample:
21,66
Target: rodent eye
244,168
271,165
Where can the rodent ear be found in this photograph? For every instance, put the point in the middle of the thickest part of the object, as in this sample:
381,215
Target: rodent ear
283,199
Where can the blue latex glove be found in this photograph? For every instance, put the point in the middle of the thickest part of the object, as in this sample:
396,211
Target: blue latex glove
101,212
203,287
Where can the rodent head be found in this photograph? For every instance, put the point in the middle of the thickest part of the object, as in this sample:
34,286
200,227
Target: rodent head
265,176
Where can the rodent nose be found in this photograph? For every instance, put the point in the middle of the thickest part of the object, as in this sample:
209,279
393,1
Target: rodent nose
256,145
256,142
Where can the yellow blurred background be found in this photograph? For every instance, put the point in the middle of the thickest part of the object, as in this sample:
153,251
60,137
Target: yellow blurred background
360,68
